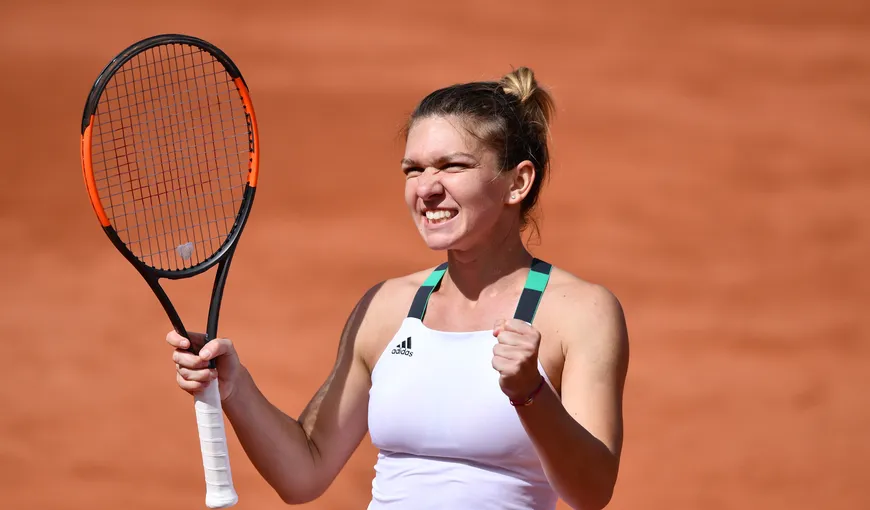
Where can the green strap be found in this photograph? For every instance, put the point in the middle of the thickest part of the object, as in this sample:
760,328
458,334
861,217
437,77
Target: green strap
421,299
536,282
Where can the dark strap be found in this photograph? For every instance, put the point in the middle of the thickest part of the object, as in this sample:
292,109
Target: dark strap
527,306
421,299
536,282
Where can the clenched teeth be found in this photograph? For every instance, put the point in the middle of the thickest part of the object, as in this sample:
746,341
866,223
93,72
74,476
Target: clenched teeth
440,214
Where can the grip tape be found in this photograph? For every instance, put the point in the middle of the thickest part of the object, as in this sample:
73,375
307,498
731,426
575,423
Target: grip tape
220,492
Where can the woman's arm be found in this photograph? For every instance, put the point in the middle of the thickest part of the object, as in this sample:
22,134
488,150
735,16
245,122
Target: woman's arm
301,457
579,439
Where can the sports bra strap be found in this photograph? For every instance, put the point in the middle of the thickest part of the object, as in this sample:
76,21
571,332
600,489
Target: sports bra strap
536,282
527,306
421,299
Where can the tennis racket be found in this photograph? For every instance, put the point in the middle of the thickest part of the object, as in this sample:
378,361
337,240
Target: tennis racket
170,153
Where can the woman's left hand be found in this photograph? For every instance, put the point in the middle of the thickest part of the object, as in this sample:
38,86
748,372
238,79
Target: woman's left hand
515,356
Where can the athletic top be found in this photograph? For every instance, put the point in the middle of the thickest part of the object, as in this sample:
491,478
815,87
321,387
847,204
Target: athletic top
448,437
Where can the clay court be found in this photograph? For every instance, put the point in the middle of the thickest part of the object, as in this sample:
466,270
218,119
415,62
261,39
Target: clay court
711,167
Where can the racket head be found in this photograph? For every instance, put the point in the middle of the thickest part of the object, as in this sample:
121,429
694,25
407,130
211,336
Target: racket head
170,154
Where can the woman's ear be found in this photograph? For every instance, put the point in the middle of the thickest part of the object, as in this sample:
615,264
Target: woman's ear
524,176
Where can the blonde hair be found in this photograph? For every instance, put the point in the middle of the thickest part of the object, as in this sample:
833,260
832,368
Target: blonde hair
537,103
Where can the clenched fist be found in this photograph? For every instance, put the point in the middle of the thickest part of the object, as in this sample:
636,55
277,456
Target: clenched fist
515,356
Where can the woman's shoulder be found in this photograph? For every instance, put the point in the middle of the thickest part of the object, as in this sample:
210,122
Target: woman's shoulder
398,291
385,305
572,290
578,306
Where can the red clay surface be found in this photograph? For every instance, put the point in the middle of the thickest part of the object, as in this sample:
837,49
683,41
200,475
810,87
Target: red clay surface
711,163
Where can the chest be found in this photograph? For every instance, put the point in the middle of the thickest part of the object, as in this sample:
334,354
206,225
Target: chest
444,313
436,394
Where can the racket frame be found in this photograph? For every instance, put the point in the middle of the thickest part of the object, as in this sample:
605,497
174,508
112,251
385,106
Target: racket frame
224,254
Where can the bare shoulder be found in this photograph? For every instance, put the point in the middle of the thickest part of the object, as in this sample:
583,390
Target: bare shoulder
381,310
586,315
387,302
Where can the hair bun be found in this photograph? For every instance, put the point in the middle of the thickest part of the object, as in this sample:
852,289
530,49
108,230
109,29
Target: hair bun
520,83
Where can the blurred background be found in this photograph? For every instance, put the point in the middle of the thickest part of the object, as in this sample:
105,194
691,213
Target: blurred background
711,163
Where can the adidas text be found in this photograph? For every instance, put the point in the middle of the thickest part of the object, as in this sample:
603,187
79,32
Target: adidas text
404,348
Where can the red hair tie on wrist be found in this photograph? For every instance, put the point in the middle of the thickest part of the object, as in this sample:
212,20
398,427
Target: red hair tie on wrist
531,397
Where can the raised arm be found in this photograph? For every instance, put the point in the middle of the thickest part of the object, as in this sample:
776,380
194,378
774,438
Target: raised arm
301,457
578,437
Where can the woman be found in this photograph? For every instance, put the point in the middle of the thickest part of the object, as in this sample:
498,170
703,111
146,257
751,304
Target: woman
491,381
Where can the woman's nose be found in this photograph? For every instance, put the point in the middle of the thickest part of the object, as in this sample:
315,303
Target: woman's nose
429,184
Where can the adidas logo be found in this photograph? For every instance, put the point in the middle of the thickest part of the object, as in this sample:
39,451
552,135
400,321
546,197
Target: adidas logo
403,348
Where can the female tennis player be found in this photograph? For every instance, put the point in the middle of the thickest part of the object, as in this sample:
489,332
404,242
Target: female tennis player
492,381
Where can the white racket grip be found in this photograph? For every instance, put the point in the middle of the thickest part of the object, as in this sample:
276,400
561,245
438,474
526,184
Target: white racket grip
219,490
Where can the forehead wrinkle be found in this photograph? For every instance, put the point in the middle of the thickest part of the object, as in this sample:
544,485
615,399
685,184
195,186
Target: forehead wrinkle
442,159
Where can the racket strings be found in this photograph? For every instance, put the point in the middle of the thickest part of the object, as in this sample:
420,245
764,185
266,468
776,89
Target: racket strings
171,147
156,210
148,237
121,110
116,190
215,222
111,142
124,104
166,193
199,211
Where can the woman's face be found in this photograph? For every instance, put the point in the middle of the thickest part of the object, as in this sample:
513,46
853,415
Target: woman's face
454,190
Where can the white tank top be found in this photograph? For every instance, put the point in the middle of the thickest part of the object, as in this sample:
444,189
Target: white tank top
447,436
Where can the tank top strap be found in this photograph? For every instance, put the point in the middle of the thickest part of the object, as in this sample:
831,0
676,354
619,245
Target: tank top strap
421,299
527,307
533,290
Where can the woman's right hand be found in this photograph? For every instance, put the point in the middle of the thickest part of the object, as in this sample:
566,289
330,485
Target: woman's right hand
192,371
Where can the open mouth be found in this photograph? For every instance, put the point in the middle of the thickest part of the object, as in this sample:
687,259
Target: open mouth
439,216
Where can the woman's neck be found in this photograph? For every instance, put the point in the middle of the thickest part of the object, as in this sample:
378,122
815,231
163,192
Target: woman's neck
487,269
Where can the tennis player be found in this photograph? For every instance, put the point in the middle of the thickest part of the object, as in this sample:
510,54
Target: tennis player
492,381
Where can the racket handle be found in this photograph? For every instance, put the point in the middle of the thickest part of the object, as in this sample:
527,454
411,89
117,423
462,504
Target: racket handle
220,492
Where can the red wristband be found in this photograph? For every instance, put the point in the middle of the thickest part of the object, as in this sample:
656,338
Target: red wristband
531,397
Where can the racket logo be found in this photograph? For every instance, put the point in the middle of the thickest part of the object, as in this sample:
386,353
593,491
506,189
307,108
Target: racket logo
403,348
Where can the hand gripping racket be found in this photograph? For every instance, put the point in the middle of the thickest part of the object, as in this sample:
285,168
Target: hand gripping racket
170,156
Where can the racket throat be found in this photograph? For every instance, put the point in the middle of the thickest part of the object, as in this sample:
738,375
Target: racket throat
174,318
217,294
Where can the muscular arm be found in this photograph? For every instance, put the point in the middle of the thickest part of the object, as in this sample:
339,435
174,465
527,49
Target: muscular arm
579,439
301,458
